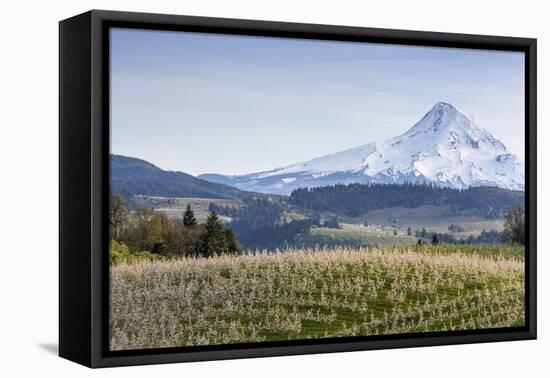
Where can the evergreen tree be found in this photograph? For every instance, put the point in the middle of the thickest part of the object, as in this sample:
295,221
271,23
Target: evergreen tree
231,241
423,232
435,241
189,219
409,231
213,239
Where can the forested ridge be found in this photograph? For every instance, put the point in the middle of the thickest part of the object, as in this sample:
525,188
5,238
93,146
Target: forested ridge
260,223
359,199
131,176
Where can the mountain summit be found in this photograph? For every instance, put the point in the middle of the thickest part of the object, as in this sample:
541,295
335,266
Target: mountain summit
445,147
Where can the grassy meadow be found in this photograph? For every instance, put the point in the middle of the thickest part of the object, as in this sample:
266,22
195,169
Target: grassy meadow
302,294
360,235
432,218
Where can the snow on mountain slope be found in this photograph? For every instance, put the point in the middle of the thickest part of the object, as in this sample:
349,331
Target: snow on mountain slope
445,147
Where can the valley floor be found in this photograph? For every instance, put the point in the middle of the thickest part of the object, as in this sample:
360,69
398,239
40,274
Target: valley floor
315,294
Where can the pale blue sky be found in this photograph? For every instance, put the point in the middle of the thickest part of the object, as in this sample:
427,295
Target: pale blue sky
210,103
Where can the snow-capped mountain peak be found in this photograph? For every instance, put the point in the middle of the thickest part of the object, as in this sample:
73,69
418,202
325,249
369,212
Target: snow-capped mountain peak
445,147
441,116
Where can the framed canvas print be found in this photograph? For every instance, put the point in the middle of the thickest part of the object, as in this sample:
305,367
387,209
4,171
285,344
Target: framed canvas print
235,188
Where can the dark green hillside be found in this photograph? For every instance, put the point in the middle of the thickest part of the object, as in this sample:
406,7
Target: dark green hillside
359,199
131,176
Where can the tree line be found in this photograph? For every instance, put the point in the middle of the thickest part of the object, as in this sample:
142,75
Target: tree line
513,232
358,199
257,224
146,230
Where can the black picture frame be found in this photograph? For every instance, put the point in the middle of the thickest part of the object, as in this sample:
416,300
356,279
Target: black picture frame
84,186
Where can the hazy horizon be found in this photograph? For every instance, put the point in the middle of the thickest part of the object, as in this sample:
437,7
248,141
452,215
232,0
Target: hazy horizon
207,103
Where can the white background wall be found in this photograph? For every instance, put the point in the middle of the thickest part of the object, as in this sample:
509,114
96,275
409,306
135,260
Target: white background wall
29,189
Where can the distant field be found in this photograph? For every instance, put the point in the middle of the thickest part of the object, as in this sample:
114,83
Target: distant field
174,206
433,218
304,294
359,235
